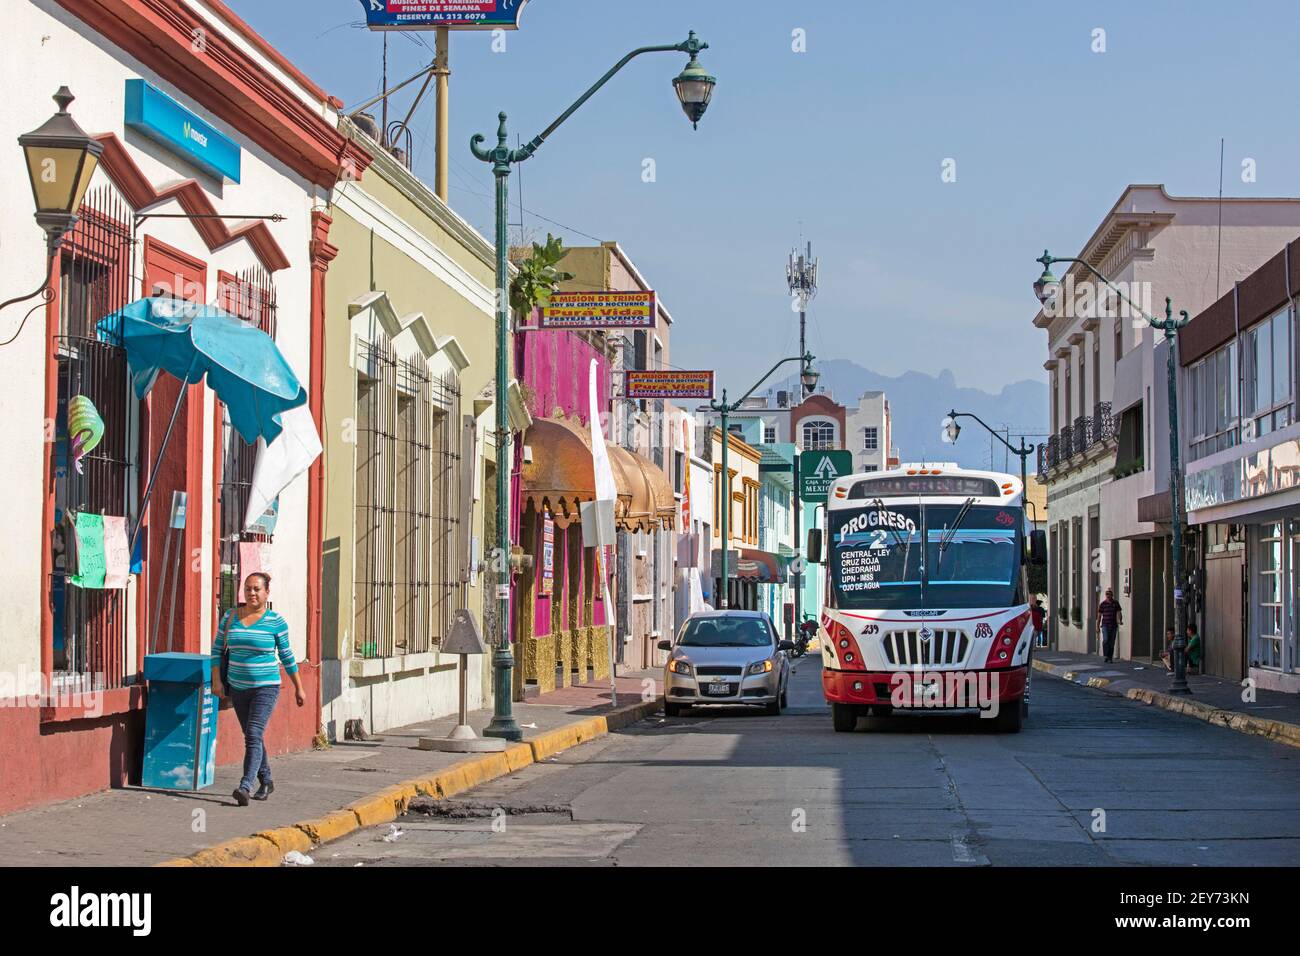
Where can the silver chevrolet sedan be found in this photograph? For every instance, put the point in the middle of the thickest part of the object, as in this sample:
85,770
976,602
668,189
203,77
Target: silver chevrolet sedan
726,657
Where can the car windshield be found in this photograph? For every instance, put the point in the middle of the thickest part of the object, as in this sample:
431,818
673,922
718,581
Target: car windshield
877,560
725,632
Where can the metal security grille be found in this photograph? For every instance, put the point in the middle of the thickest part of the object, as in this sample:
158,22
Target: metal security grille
906,649
376,444
250,295
90,634
408,492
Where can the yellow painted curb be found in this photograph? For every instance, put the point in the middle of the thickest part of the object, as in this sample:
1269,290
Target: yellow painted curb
330,827
241,851
287,839
269,847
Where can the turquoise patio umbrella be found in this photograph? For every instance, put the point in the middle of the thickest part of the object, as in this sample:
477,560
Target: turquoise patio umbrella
192,341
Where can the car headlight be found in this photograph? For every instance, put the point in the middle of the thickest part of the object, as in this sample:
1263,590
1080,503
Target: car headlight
679,667
762,667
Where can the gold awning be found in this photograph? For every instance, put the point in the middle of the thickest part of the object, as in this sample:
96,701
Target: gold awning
560,477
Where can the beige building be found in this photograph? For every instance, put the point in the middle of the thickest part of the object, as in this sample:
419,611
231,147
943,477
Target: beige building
409,454
1106,465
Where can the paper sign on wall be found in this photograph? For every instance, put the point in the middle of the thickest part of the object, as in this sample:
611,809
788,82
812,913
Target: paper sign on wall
117,553
548,553
89,531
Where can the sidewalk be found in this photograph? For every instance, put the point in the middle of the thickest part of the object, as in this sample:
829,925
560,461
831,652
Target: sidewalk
1214,699
135,826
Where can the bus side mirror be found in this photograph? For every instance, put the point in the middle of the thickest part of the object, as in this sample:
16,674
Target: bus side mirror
814,549
1038,547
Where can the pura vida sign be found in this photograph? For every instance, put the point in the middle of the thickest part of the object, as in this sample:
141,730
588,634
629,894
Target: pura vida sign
452,14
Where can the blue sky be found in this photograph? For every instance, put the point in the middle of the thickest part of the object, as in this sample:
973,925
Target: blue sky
844,144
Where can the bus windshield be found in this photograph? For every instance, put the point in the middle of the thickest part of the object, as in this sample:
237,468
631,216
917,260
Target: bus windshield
877,560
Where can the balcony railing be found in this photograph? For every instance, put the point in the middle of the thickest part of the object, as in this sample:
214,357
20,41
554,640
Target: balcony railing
1077,438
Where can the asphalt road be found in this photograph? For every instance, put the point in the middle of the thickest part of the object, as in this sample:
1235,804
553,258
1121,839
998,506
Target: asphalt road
1092,780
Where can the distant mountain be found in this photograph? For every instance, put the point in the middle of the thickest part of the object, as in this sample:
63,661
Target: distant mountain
920,402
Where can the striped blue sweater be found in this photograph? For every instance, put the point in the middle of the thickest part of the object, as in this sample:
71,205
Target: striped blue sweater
256,650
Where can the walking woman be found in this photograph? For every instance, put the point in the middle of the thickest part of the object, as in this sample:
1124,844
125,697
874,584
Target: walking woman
255,641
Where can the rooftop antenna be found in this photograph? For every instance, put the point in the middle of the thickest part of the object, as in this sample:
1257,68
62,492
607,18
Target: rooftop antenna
801,277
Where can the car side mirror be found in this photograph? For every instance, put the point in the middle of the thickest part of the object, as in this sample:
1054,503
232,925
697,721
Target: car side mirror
665,645
814,549
1038,547
785,646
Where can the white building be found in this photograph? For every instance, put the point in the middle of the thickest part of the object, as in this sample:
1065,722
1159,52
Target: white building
869,433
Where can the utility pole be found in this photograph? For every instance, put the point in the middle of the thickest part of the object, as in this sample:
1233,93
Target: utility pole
801,278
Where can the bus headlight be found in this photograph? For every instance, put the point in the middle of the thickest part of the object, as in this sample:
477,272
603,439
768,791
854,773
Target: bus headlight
1000,652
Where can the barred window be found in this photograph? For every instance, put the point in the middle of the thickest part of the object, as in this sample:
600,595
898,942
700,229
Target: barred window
91,647
407,490
250,295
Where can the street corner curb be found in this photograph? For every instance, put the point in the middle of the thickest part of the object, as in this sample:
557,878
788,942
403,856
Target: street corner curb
241,851
551,742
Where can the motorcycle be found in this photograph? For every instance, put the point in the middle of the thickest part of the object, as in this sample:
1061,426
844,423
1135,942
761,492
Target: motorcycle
807,631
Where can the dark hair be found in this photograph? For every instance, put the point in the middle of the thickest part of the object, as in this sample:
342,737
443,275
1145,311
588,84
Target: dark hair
266,579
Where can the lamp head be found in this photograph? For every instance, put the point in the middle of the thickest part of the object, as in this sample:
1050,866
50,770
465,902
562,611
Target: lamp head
694,85
808,376
950,429
61,159
1048,287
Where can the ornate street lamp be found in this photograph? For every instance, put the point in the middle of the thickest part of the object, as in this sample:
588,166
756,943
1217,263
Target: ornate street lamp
694,90
61,159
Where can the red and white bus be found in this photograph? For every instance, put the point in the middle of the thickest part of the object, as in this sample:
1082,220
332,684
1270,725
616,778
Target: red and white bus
927,603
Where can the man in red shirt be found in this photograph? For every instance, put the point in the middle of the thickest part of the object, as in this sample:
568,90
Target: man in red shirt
1040,634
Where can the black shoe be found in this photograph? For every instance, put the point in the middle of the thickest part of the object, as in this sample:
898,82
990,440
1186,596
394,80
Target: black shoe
241,796
264,791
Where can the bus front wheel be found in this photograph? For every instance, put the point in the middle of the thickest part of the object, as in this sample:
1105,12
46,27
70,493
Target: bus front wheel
844,717
1010,717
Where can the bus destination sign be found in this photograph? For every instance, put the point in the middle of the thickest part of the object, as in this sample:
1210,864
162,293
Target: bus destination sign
953,486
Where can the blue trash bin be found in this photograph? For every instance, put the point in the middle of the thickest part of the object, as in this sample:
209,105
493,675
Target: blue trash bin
180,738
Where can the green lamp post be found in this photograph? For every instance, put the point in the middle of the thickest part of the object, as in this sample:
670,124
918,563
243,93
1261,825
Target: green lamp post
808,376
694,89
1047,288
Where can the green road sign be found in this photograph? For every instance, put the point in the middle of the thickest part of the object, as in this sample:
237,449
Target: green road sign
817,469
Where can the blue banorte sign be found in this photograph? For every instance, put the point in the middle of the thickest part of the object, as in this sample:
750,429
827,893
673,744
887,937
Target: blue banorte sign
454,14
152,113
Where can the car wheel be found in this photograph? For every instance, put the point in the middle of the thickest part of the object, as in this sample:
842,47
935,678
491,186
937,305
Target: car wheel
844,717
773,709
1009,718
672,710
785,697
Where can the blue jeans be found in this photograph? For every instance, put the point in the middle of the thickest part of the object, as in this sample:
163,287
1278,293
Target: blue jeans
254,708
1108,641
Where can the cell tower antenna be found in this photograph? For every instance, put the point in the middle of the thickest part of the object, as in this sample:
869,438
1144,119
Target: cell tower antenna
801,277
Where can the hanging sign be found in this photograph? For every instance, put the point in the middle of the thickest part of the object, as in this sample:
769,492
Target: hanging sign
598,310
548,554
91,563
453,14
669,383
117,553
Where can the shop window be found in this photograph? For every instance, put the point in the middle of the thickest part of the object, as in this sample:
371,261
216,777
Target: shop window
1212,402
250,296
1266,373
407,496
90,643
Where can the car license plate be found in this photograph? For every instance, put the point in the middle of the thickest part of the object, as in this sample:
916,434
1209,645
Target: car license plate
719,690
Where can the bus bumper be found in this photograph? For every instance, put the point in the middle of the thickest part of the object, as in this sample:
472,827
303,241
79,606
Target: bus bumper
896,687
